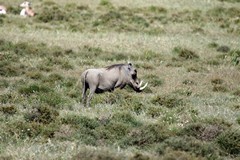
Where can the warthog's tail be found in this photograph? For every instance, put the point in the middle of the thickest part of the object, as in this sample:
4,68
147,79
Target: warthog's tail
77,83
84,82
84,87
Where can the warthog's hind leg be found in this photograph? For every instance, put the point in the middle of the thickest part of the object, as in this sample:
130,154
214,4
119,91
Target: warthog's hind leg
84,96
92,91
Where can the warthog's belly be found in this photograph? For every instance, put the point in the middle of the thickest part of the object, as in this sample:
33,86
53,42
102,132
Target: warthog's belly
98,90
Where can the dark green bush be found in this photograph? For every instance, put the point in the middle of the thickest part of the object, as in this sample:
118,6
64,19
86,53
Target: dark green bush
191,145
55,77
188,82
229,141
6,98
157,9
238,119
125,117
140,156
218,85
146,135
173,155
232,1
168,101
149,55
53,99
9,109
23,130
9,69
98,154
34,75
185,53
154,80
42,114
33,88
213,45
219,88
106,3
77,121
52,14
223,49
217,81
114,130
235,56
14,9
154,111
4,83
207,132
140,21
111,18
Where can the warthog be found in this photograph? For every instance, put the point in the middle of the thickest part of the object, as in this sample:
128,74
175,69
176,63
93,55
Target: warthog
109,78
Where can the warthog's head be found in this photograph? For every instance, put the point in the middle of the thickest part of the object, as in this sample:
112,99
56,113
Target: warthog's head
134,82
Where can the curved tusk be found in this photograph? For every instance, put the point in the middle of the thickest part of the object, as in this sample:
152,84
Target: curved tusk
144,86
140,83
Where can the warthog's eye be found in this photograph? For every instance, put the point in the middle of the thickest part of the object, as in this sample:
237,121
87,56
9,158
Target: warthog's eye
134,76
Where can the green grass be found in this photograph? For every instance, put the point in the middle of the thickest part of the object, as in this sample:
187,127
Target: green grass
188,52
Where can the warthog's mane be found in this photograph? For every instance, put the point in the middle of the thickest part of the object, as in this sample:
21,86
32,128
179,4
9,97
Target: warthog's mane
115,66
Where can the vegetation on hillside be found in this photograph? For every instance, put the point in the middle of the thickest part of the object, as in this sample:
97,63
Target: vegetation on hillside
190,57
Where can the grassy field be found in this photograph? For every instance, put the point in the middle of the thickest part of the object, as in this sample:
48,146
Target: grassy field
188,51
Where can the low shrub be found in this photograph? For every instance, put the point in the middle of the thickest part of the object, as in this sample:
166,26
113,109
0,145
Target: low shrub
231,1
106,3
154,111
114,131
77,121
24,130
157,9
172,155
53,13
235,56
168,101
9,69
53,99
185,53
219,88
229,141
217,81
33,88
223,49
6,98
4,83
146,135
189,144
154,80
238,119
42,114
213,45
36,75
237,92
218,85
125,117
140,156
188,82
8,109
98,154
206,132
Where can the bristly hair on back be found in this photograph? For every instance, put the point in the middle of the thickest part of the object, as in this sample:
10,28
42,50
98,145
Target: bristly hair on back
114,66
